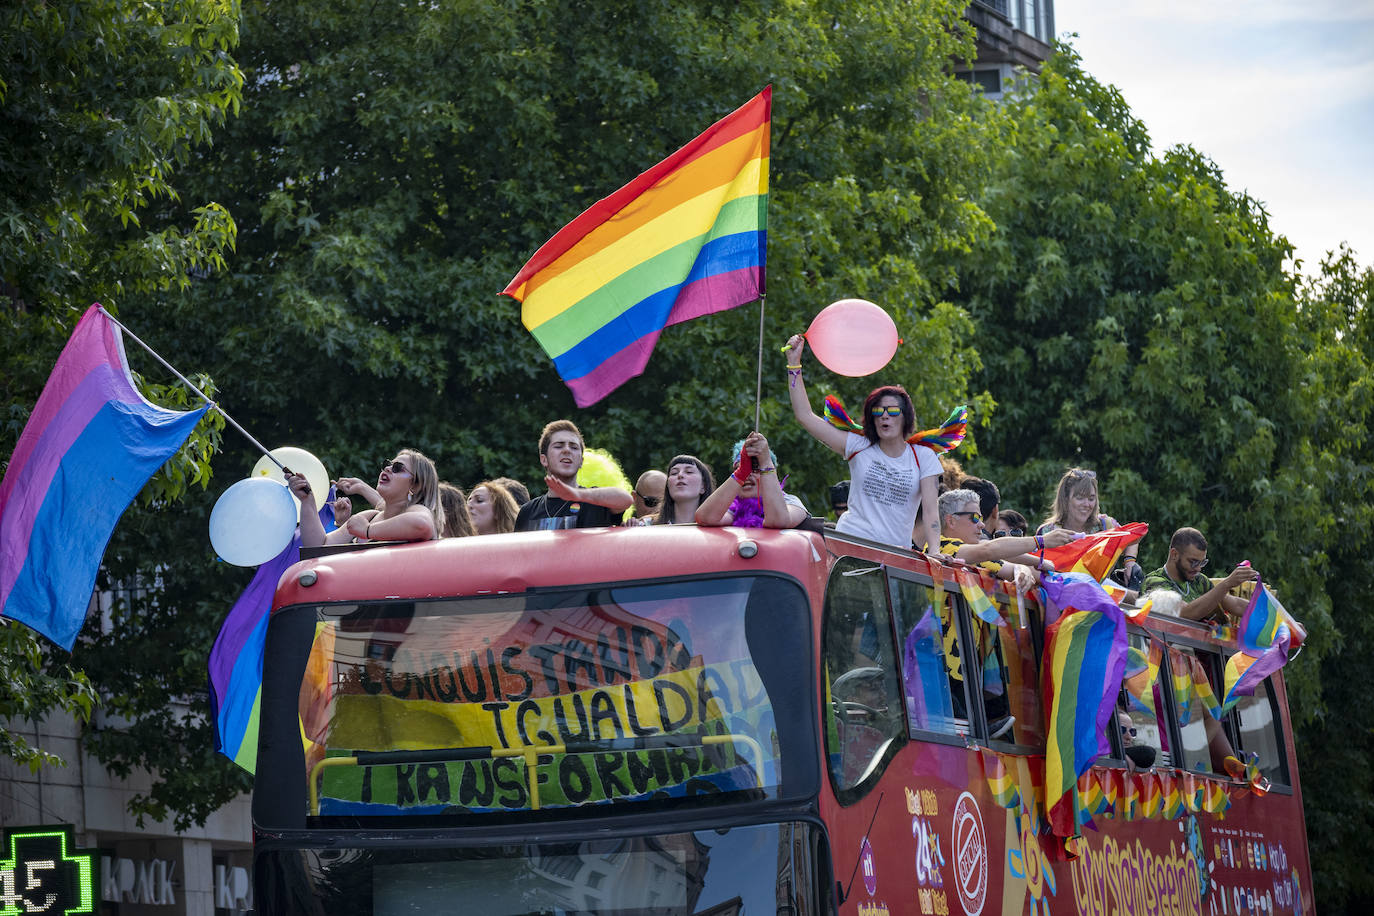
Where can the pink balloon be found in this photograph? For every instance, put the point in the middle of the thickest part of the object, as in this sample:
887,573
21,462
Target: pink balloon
853,337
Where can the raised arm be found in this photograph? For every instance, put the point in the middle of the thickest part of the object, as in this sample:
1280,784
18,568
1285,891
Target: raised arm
312,529
777,513
833,438
714,510
613,498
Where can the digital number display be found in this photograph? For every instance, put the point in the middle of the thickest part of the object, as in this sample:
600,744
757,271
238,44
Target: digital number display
42,871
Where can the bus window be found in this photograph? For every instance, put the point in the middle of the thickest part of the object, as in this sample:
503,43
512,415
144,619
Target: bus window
617,694
1257,719
925,675
861,675
1019,666
1204,741
1141,695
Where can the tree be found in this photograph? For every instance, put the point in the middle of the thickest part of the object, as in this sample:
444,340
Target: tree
95,117
1337,385
392,168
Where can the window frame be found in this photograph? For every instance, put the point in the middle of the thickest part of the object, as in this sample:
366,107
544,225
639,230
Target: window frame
921,734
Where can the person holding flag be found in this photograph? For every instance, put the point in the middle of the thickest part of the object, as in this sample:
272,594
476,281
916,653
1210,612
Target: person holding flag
1182,573
1076,508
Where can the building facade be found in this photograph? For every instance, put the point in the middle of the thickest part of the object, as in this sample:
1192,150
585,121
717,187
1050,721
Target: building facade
1012,35
145,870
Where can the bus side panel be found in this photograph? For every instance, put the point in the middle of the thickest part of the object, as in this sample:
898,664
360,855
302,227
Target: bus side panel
930,838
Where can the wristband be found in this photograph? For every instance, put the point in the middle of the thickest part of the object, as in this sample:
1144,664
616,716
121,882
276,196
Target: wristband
1040,541
769,470
796,368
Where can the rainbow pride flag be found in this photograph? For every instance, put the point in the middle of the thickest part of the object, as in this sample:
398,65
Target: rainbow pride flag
1264,639
89,446
235,666
1085,658
1001,782
1096,554
686,238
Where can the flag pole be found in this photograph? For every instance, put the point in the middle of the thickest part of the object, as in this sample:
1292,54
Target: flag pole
230,420
758,390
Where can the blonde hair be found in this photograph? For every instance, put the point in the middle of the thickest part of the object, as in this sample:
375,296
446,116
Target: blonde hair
426,492
504,509
1075,481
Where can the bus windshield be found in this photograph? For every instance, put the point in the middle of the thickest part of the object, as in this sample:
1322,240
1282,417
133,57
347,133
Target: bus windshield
553,699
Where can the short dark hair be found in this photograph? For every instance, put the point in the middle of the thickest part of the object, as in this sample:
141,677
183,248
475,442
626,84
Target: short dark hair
989,497
1014,519
904,399
839,494
1187,537
558,426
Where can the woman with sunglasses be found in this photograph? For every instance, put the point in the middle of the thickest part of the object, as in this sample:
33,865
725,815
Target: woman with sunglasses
1076,508
891,480
408,488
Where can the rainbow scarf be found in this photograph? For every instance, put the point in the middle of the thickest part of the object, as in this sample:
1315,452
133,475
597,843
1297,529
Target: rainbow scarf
89,446
1085,654
1264,639
686,238
943,438
1096,554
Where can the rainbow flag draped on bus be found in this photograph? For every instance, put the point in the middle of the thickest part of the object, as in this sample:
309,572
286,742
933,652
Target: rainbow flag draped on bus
686,238
89,446
1085,658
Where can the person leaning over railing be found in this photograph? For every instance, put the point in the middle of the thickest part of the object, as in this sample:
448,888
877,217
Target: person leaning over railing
1012,558
408,486
1182,574
752,497
1076,508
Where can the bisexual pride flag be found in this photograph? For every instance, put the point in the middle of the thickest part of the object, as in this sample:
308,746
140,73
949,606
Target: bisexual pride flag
685,239
89,446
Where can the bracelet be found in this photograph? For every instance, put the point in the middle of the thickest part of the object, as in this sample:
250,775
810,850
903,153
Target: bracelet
367,532
768,470
796,368
1040,541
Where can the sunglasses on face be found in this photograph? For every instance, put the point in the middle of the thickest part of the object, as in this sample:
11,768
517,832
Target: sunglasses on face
395,467
649,501
1130,730
975,517
886,411
1194,564
1011,533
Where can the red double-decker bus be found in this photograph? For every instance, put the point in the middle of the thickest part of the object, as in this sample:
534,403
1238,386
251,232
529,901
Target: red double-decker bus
682,720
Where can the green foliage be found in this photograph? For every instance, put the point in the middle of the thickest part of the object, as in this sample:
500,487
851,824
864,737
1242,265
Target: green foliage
1337,388
100,103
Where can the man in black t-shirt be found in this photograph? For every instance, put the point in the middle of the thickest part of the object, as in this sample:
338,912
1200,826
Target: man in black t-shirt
566,505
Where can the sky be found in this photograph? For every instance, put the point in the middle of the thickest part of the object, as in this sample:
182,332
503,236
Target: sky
1279,93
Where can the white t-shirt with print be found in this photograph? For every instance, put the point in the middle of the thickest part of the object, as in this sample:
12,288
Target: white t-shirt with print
885,492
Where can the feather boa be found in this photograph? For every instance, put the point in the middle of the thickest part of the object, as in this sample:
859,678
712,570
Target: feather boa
748,510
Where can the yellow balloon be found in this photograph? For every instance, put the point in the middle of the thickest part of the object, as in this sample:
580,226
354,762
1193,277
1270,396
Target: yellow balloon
299,461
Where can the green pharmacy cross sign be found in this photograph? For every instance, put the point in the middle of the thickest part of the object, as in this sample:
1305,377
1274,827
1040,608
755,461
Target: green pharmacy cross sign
43,872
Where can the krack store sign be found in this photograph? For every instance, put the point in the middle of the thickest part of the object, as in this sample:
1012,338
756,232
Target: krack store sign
42,871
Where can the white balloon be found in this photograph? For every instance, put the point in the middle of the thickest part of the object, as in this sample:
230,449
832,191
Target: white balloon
253,521
300,462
